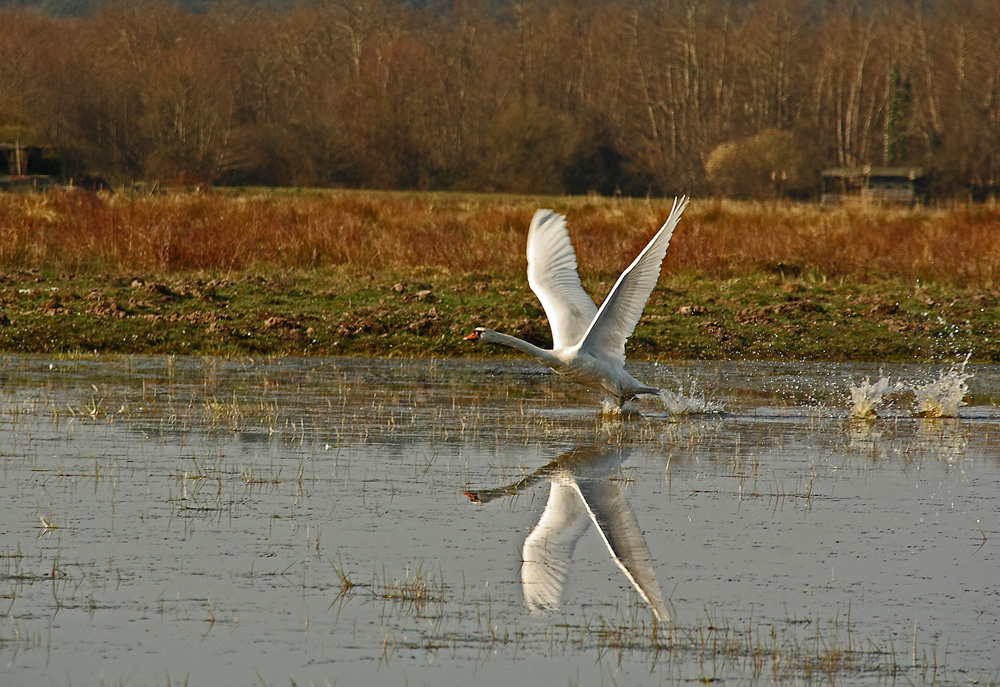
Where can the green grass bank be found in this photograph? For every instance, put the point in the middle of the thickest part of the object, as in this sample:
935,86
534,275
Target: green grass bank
263,273
427,312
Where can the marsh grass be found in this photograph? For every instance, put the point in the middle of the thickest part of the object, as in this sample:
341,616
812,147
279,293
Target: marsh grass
484,235
811,650
393,274
417,593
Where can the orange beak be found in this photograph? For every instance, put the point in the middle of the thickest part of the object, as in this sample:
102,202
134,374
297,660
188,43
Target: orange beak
474,336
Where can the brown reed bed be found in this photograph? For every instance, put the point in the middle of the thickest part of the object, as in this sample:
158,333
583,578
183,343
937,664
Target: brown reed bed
463,233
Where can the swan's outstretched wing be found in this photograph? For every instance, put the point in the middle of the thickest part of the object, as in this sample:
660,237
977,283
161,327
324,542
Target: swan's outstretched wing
549,548
616,521
553,276
620,312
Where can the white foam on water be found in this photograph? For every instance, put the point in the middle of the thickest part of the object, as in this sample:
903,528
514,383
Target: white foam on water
690,402
943,396
868,396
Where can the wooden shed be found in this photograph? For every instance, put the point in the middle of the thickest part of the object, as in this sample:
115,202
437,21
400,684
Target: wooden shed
874,184
25,168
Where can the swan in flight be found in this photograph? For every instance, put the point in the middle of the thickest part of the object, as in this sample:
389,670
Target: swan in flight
588,343
583,491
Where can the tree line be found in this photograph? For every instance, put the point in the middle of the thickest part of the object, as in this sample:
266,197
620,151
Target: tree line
737,97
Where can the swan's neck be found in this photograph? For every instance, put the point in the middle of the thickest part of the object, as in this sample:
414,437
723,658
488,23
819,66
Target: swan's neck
534,351
513,489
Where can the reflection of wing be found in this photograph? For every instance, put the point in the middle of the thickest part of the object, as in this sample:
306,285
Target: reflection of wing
581,485
549,547
616,521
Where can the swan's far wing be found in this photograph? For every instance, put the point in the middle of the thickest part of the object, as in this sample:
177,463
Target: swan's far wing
549,548
616,521
620,312
553,276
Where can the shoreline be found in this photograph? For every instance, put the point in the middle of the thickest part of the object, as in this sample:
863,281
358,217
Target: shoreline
426,313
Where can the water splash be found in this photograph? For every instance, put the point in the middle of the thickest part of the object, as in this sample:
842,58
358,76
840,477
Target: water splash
868,396
942,397
691,402
610,407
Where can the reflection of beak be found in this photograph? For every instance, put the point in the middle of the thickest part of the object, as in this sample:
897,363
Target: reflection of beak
473,496
474,336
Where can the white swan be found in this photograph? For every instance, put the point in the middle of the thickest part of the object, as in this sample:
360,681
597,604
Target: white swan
588,344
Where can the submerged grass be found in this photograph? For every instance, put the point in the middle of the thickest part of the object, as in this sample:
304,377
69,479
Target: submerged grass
365,273
813,651
421,611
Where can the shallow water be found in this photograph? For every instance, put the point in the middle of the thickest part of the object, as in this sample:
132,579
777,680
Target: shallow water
171,520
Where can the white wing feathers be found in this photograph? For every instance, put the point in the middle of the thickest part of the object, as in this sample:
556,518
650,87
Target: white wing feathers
548,550
553,276
620,312
616,521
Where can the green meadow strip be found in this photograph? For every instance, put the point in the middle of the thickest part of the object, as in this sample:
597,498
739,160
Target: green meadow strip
365,273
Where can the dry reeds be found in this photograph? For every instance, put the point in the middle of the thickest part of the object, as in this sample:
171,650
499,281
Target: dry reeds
725,239
76,232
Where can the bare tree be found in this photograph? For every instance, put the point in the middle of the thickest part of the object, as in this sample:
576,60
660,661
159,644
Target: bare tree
637,96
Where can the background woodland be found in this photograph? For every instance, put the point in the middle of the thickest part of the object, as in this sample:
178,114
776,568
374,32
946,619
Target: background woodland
737,98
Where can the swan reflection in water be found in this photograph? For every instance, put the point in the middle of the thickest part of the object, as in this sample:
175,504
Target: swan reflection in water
583,490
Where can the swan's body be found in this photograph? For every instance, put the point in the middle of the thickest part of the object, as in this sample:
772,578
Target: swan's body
588,343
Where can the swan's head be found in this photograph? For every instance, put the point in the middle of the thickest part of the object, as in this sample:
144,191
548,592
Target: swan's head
476,335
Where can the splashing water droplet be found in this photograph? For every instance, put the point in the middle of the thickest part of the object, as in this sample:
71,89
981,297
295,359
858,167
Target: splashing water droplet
868,396
690,403
942,397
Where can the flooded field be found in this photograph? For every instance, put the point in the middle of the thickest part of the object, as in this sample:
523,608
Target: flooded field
337,521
